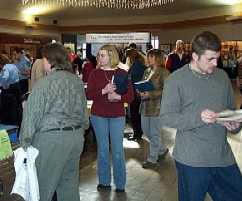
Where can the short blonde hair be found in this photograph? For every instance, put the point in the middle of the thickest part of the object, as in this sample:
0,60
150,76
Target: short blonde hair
112,53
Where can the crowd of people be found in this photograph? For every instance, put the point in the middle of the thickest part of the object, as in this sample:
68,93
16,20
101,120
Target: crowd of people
188,93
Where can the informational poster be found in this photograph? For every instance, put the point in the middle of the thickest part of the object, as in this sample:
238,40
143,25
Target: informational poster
135,37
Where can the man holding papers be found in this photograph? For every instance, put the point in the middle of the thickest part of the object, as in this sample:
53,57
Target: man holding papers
192,98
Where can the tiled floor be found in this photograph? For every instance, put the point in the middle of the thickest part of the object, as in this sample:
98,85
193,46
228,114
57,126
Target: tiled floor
142,184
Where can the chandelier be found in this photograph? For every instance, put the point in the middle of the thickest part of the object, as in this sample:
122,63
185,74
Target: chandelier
116,4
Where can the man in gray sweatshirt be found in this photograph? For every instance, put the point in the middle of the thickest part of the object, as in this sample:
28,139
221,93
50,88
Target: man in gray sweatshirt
191,100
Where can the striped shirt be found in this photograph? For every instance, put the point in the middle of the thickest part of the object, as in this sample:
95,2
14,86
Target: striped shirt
56,101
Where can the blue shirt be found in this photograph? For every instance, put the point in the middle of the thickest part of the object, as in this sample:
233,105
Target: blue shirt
23,65
9,75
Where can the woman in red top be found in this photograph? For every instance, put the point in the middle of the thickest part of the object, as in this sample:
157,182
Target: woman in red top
88,66
108,117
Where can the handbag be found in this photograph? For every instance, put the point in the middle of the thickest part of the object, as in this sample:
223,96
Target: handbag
26,181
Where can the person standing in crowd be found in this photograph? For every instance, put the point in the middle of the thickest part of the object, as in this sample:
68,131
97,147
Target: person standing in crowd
24,66
191,100
136,72
150,107
71,54
230,63
11,105
78,61
88,66
177,58
108,117
54,119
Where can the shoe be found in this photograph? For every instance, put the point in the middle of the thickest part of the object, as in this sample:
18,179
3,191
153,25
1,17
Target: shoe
118,190
162,156
101,187
134,138
148,164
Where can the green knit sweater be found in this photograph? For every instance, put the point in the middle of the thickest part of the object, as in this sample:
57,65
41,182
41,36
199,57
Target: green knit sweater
185,95
56,101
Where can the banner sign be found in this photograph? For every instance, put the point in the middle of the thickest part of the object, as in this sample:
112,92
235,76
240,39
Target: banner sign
141,37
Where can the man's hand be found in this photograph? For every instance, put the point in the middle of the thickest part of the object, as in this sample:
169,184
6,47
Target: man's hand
231,125
209,116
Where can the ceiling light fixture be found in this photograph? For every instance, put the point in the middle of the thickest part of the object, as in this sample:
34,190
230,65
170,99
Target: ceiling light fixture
115,4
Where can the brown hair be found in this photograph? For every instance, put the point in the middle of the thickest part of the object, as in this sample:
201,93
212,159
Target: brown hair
134,55
4,60
159,56
57,56
206,41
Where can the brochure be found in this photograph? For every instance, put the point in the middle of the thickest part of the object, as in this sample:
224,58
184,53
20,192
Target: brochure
145,85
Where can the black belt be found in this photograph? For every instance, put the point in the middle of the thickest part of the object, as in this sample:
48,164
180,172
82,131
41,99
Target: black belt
68,128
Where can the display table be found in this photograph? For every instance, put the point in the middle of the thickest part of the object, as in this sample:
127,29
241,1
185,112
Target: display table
7,172
12,131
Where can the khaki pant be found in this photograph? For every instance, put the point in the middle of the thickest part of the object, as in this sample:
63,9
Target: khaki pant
58,164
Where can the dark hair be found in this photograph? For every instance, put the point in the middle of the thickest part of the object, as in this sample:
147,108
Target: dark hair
134,55
205,41
159,56
57,56
91,58
18,50
132,46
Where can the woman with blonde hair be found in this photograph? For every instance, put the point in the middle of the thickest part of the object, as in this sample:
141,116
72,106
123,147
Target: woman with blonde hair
150,107
108,117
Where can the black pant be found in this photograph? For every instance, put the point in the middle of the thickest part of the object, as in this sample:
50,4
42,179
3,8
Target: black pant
11,105
24,86
135,117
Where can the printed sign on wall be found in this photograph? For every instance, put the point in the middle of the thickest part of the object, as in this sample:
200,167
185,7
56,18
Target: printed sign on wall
139,37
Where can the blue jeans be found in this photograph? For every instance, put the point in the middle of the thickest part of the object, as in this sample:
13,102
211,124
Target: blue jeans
113,127
152,129
222,183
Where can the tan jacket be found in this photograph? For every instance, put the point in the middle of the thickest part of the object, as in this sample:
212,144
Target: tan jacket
151,106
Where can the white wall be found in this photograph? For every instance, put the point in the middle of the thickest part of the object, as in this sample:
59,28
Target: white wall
28,31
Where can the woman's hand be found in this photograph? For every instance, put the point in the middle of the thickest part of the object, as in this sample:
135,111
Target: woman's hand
114,97
109,88
144,95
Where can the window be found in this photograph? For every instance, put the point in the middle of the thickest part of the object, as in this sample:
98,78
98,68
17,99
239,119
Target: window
155,41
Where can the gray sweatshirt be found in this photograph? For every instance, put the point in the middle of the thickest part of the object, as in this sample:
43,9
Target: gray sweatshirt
185,95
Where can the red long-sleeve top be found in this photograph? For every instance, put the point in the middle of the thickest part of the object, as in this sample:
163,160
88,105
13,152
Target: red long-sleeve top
101,106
